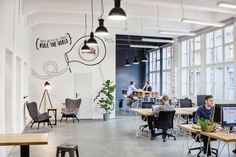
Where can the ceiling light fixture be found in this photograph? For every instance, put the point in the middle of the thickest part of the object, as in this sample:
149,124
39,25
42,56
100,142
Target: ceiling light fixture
206,23
117,13
101,29
92,41
127,64
227,4
157,40
85,47
136,61
177,33
144,46
199,22
144,59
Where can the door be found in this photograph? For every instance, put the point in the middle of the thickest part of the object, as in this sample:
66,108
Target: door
84,90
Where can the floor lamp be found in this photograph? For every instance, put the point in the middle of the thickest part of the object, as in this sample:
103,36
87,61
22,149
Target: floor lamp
45,96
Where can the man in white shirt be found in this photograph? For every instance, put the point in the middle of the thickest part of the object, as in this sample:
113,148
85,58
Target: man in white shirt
130,90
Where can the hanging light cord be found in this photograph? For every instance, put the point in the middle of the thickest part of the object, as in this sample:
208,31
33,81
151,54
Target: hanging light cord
92,13
141,25
158,16
182,8
85,21
102,10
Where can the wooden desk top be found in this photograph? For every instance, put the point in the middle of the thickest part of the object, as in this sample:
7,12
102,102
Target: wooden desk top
23,139
221,136
179,111
188,127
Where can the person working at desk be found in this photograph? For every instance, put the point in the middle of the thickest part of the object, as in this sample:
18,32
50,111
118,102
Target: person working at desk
206,112
147,86
164,107
130,90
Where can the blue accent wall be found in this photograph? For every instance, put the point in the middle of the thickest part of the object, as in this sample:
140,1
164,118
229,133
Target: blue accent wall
125,74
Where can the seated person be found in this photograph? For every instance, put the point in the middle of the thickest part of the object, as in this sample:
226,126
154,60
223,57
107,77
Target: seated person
147,87
206,112
164,107
130,90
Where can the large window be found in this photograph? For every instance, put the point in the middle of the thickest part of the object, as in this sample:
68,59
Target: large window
191,66
219,62
213,72
155,71
167,70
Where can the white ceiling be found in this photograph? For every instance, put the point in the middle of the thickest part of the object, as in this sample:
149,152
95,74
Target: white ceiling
71,13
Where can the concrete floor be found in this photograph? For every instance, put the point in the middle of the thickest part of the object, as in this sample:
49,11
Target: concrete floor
114,138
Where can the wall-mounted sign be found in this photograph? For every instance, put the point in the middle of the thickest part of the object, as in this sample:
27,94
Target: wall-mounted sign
41,44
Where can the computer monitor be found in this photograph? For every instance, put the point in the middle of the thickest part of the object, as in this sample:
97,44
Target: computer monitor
184,103
201,100
217,113
228,115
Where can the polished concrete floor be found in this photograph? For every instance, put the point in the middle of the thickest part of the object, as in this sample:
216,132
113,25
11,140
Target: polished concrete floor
113,138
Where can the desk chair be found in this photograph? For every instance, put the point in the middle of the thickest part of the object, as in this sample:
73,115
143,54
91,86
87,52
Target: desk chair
185,103
145,105
164,121
198,139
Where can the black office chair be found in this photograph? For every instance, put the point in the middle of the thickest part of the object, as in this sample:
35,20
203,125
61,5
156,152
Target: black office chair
145,105
185,103
164,121
198,139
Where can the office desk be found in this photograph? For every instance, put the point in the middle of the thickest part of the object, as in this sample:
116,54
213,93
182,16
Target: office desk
178,111
220,136
24,141
143,94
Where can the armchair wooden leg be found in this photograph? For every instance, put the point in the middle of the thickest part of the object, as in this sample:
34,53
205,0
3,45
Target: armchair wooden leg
77,118
61,118
38,125
73,119
49,122
32,125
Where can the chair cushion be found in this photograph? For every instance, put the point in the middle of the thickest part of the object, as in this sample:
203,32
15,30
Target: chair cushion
43,116
65,111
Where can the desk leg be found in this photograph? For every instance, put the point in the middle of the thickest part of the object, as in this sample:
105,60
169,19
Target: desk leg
25,151
208,145
228,149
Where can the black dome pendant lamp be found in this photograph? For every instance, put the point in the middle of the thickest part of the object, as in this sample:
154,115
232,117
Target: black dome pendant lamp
92,41
136,61
117,13
144,58
127,64
101,29
85,47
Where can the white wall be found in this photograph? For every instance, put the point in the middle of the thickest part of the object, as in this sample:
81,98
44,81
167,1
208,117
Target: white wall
15,38
64,86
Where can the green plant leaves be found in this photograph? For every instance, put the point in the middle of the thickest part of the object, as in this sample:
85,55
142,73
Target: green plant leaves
107,98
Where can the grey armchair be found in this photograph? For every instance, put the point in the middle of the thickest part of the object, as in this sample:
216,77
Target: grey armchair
71,110
36,116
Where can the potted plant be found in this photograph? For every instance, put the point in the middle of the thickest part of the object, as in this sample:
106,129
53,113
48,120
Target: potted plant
106,98
206,125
